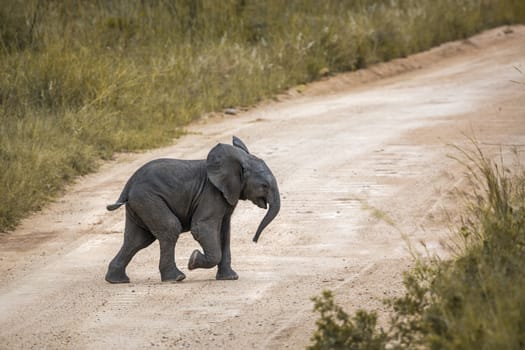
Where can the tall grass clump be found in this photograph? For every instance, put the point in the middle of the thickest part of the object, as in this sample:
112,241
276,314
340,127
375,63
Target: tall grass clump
80,80
473,301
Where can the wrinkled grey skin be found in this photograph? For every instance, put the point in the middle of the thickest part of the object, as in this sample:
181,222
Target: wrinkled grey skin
166,197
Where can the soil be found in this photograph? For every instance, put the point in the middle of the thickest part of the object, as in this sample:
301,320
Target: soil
362,161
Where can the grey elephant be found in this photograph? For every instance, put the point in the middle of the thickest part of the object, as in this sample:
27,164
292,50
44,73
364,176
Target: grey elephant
166,197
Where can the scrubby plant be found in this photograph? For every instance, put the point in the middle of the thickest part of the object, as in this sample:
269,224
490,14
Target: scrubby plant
336,330
474,300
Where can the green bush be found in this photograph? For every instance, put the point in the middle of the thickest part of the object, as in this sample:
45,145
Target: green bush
473,301
80,80
337,331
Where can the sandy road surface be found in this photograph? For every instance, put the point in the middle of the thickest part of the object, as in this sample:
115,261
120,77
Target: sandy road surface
345,154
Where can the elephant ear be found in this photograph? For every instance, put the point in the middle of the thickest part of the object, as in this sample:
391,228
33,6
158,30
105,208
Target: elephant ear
224,168
238,143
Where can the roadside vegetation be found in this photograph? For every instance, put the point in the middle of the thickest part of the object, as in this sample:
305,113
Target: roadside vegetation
474,300
80,80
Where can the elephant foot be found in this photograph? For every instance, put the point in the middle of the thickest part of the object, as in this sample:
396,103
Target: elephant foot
116,277
226,274
201,261
174,275
193,263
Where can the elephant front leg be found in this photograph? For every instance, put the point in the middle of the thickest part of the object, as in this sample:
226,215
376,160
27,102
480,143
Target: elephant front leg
225,271
208,234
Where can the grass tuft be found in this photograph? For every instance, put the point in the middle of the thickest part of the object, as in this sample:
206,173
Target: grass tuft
473,301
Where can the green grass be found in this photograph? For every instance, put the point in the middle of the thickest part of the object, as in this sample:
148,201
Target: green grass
80,80
474,300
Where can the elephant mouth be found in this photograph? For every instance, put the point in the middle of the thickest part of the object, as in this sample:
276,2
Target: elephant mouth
261,202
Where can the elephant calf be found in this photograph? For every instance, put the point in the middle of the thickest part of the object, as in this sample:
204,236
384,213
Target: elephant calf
168,196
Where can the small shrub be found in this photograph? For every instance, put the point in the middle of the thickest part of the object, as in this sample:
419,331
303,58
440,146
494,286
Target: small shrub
337,330
473,301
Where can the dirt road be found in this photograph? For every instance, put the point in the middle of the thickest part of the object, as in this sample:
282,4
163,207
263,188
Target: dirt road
353,154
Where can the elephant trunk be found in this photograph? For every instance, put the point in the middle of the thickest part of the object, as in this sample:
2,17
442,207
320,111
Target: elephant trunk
274,203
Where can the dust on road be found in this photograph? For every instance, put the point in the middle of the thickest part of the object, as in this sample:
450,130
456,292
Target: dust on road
352,154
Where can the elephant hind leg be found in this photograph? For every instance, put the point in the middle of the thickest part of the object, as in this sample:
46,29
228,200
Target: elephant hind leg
168,269
135,239
165,227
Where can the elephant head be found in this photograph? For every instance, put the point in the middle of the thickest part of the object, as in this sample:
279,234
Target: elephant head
240,175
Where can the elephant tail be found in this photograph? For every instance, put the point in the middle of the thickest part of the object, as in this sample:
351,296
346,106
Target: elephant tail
114,206
122,199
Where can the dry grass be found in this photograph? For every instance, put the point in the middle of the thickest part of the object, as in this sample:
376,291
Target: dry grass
473,301
80,80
